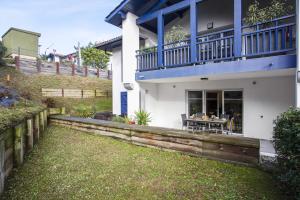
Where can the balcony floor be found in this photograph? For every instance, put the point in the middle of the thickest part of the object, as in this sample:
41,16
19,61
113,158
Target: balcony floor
282,65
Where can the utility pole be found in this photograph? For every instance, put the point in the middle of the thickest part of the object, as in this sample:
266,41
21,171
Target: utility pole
78,49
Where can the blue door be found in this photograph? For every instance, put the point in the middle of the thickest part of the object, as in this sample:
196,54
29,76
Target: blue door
123,103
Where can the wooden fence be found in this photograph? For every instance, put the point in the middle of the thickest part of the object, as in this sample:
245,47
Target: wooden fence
221,147
75,93
30,67
17,141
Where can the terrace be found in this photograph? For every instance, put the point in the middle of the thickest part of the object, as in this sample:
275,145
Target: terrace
213,41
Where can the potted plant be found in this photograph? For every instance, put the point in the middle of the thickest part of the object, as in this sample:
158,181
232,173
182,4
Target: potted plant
258,14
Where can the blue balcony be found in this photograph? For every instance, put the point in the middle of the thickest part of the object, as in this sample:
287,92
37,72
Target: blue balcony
271,38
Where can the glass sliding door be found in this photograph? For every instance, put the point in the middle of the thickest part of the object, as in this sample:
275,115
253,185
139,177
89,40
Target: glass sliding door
233,107
213,103
195,102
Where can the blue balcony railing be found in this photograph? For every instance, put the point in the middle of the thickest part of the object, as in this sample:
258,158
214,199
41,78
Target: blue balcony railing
273,37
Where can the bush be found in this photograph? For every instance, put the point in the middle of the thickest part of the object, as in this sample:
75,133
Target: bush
49,102
142,117
118,119
287,145
84,111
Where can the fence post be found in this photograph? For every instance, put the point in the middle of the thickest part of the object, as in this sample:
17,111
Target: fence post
17,61
98,73
85,71
38,65
73,69
29,134
57,68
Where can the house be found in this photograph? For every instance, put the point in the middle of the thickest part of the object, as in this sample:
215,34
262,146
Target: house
55,57
223,66
21,42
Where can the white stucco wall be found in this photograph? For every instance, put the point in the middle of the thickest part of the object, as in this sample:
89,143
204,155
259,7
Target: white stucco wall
117,85
130,43
268,98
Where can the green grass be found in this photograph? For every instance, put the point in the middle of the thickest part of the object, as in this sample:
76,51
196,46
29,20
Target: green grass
32,86
12,116
69,164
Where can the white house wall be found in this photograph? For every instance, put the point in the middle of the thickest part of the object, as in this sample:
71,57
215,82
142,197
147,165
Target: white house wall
130,43
117,85
262,102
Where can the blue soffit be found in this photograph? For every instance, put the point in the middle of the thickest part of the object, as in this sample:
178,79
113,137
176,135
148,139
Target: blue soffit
137,7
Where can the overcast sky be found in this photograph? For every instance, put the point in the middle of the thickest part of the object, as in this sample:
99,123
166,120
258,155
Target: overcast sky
61,22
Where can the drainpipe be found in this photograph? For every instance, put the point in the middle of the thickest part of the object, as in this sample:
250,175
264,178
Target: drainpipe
298,54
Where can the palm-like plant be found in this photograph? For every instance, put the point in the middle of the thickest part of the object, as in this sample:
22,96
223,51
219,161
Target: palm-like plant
142,117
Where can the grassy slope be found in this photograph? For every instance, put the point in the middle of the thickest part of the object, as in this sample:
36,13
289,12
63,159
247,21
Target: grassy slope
34,83
12,116
68,164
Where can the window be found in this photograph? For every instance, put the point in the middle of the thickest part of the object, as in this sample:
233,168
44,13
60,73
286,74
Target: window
195,102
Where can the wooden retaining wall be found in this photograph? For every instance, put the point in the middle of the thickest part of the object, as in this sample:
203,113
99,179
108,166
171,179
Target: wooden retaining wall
18,141
221,147
75,93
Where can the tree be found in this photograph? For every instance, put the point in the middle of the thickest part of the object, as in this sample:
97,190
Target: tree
93,57
2,53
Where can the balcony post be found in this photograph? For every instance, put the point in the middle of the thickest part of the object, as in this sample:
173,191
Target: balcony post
160,39
237,28
194,30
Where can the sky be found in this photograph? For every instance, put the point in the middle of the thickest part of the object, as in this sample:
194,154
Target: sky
62,23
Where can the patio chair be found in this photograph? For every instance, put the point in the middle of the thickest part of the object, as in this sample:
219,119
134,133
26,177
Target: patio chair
187,125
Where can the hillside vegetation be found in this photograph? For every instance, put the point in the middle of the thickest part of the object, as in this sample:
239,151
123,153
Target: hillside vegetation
30,88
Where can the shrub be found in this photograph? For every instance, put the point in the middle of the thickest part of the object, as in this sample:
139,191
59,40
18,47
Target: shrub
287,145
118,119
84,111
142,117
49,102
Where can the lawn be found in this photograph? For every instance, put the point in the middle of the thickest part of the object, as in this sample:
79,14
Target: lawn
69,164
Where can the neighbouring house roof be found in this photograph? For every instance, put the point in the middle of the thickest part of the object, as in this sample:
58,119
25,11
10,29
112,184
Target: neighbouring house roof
21,30
109,45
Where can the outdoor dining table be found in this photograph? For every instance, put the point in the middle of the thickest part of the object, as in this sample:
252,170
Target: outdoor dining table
220,122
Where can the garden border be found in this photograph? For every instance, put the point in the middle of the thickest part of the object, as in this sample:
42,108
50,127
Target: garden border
221,147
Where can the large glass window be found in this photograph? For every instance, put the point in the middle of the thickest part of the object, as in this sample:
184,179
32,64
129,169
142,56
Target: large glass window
195,102
217,103
233,102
